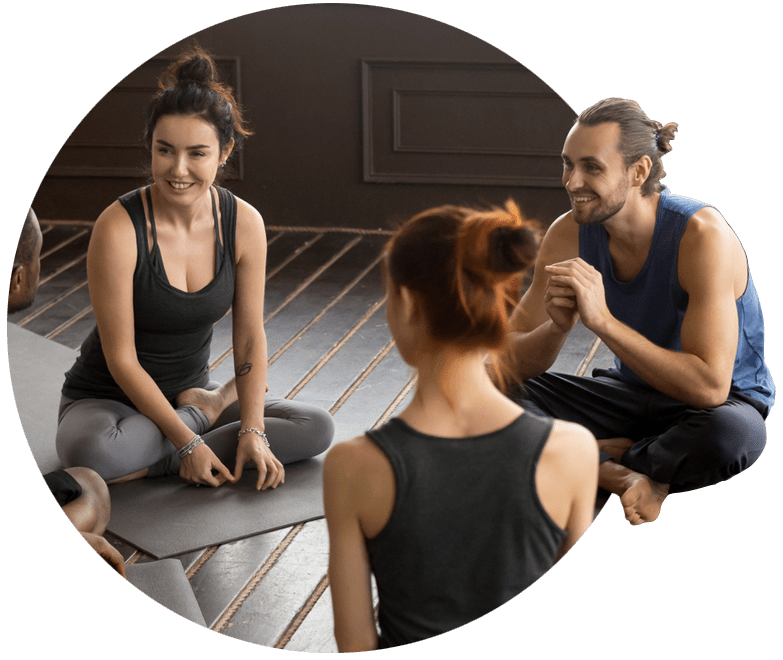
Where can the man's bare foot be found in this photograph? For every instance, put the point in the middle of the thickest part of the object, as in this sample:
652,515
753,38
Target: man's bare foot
640,496
643,499
615,447
211,402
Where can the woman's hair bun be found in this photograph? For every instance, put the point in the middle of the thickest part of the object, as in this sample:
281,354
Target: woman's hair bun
196,69
511,249
496,243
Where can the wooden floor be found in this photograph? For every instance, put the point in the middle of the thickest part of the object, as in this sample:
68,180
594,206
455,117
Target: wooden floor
329,344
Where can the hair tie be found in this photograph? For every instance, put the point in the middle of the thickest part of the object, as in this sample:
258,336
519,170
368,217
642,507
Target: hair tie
656,136
505,244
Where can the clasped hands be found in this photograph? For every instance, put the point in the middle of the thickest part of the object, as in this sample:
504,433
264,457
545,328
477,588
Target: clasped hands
198,466
576,290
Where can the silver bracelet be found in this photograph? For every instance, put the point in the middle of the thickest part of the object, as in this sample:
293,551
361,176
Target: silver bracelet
257,432
188,448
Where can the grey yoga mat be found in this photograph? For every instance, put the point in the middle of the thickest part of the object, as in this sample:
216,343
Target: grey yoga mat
165,516
38,366
166,583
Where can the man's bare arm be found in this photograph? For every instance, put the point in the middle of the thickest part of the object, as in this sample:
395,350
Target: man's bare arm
540,323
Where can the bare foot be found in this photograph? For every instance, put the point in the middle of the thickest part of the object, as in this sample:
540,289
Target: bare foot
210,402
643,499
640,496
615,447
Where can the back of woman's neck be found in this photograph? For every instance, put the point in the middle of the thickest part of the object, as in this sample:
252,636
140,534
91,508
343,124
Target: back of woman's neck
456,398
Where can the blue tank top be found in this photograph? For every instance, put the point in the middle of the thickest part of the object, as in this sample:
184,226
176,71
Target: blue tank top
467,532
654,304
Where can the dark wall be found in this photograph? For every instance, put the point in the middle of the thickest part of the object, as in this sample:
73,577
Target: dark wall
358,122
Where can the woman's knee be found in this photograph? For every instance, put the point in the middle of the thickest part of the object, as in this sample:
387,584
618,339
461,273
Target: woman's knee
323,428
110,439
310,424
76,449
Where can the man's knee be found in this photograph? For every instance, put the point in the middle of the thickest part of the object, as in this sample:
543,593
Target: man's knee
734,435
724,442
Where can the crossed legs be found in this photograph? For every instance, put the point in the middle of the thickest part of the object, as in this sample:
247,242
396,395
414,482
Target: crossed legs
117,442
651,444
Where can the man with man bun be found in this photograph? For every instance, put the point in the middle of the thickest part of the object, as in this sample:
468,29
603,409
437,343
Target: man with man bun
665,283
82,494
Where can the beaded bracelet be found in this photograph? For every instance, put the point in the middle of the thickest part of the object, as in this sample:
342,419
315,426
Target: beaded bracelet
257,432
188,448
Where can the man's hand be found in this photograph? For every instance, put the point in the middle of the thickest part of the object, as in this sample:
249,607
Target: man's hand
107,551
197,468
575,282
270,471
560,305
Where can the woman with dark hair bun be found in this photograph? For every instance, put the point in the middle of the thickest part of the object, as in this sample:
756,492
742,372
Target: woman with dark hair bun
165,262
464,499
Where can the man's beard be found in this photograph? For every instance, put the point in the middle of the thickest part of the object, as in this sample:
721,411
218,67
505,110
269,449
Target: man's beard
605,209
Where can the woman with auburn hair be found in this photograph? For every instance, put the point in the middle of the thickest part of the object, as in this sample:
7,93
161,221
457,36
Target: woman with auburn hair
166,262
464,499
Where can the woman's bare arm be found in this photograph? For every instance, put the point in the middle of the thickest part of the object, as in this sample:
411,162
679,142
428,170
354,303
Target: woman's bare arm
250,348
349,564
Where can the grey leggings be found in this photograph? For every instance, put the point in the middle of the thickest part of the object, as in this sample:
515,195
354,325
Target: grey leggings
115,440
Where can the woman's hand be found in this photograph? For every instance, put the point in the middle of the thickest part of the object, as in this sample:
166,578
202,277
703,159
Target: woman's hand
197,468
252,448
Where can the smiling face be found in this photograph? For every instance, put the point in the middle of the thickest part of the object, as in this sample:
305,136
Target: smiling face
594,173
186,155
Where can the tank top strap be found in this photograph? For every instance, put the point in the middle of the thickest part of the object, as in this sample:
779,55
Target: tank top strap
537,430
152,218
228,218
133,205
218,243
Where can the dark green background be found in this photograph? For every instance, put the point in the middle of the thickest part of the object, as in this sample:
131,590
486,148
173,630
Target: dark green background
698,582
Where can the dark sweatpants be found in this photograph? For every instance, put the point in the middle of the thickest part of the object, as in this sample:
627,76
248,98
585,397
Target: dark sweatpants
675,443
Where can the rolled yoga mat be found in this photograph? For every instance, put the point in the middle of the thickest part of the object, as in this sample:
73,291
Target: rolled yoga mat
166,583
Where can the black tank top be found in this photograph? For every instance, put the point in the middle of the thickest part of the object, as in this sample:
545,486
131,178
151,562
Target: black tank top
173,328
468,531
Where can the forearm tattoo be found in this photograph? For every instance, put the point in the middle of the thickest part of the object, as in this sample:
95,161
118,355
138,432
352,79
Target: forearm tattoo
244,369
